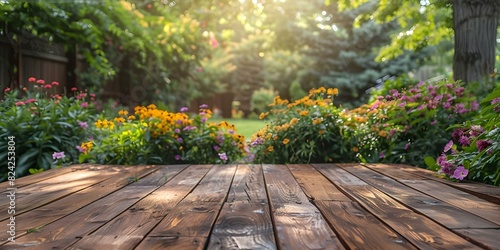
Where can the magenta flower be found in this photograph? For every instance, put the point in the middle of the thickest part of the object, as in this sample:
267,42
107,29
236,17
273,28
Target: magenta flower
223,156
73,89
216,148
177,157
381,155
496,100
19,103
84,104
474,105
407,146
58,155
464,141
460,173
184,109
180,140
83,125
448,146
482,145
434,122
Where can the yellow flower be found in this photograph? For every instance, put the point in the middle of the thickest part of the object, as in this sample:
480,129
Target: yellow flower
317,121
131,117
123,112
275,137
331,91
321,131
119,119
86,146
382,133
270,148
355,149
286,141
268,136
304,113
151,106
294,121
263,115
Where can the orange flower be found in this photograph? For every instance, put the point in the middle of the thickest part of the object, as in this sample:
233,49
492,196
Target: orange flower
270,148
286,141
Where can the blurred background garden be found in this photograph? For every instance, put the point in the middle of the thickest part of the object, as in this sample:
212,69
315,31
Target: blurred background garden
254,81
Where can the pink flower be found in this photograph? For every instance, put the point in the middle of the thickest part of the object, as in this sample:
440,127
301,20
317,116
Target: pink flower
19,103
47,86
84,104
474,105
223,156
83,125
31,79
381,155
54,83
482,145
199,69
73,89
6,90
496,100
448,146
460,173
80,149
203,106
40,81
30,100
214,42
58,155
184,109
177,157
407,146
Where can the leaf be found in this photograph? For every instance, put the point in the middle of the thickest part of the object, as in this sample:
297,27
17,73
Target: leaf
430,162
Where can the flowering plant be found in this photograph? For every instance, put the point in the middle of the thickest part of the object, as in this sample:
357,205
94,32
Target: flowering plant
155,136
474,151
407,125
42,123
307,130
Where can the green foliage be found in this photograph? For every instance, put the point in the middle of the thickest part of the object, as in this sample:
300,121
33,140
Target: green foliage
42,124
155,136
261,98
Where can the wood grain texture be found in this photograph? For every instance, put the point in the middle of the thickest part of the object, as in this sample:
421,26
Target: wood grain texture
214,186
139,219
243,226
443,213
487,192
488,238
248,185
49,213
355,227
188,219
315,185
458,198
172,242
416,228
298,223
106,242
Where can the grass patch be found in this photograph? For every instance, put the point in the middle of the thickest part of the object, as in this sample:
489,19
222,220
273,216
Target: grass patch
245,127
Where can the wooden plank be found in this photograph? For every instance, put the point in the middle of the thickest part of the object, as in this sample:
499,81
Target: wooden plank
356,227
107,242
458,198
353,224
214,186
487,237
172,242
439,211
298,223
248,185
138,220
315,185
44,215
243,226
47,174
78,224
487,192
44,192
416,228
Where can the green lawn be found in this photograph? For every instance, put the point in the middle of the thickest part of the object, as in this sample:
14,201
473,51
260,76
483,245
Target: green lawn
246,127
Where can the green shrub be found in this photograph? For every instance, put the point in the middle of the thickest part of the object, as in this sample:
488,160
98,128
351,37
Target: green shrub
261,98
307,130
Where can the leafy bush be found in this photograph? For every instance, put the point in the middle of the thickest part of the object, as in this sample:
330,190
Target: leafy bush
260,100
307,130
43,123
409,125
474,151
155,136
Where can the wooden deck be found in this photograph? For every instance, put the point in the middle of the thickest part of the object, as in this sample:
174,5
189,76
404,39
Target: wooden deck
322,206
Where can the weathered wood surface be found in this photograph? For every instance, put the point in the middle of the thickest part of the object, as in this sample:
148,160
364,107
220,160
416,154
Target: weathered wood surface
316,206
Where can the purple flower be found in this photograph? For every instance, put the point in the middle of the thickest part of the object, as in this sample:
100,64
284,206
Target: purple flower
464,141
476,130
474,105
457,133
58,155
203,119
184,109
448,146
434,122
460,173
381,155
80,149
203,106
407,146
230,131
83,125
178,121
482,145
496,100
460,108
177,157
223,156
402,104
216,148
177,130
441,160
180,140
447,105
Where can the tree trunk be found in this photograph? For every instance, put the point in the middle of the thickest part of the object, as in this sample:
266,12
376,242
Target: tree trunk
475,23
